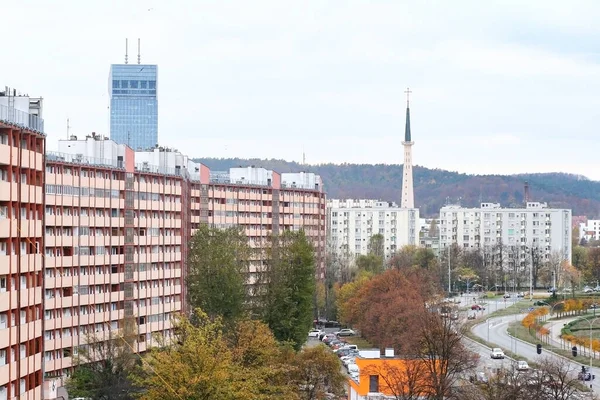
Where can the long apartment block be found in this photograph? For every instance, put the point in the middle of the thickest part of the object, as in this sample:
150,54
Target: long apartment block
21,249
118,224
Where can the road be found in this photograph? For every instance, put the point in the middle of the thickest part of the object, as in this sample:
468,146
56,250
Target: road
496,328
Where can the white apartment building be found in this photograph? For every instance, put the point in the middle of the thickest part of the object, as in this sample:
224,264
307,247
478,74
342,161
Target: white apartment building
351,223
589,230
489,225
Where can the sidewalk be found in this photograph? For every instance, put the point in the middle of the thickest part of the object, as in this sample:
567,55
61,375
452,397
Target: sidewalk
555,328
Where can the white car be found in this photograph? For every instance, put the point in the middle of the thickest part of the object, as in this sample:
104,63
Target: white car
522,366
497,353
315,333
353,371
345,332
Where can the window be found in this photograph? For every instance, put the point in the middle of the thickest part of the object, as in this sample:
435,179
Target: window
151,84
115,84
373,383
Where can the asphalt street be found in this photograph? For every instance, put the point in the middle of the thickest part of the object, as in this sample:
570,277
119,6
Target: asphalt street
496,330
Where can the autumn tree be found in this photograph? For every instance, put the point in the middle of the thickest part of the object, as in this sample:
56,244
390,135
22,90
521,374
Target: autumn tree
203,363
446,358
346,297
385,307
218,267
467,275
317,372
262,367
289,282
376,245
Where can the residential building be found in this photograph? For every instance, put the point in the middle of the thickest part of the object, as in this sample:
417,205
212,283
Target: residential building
22,147
589,230
133,95
535,225
383,375
114,233
427,238
118,224
351,224
263,202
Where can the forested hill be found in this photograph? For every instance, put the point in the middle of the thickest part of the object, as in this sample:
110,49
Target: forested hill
434,186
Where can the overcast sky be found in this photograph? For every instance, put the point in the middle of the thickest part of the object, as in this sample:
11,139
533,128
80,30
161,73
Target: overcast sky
498,86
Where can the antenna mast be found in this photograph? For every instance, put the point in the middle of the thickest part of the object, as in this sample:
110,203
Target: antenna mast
68,128
139,57
126,49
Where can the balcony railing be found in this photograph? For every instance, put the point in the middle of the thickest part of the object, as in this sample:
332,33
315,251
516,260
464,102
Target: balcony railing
21,118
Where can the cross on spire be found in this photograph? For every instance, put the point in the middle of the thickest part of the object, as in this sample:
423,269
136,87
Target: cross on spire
408,92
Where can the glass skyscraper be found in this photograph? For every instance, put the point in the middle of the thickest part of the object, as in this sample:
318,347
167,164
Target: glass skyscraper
134,105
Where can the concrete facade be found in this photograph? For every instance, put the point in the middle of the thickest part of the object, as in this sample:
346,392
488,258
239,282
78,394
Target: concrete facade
536,225
351,223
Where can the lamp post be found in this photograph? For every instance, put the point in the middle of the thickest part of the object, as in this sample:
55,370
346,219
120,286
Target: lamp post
591,322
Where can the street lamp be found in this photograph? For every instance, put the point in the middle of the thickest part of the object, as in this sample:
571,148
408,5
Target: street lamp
591,322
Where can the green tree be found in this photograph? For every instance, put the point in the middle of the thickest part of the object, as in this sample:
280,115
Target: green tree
289,287
376,245
218,266
102,365
317,372
433,229
370,263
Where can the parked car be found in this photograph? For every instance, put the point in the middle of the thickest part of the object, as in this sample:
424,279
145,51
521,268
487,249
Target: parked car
551,290
328,338
522,366
345,332
472,316
520,295
540,303
353,371
477,307
497,353
348,347
588,289
506,295
315,333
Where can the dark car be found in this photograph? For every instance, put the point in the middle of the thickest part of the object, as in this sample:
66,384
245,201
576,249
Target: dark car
332,324
585,374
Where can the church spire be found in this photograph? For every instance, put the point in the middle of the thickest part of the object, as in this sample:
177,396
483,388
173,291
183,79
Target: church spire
407,137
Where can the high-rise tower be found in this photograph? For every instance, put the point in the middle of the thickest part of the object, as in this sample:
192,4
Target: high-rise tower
134,104
408,198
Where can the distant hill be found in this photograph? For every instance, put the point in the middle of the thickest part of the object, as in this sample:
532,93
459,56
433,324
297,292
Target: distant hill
434,186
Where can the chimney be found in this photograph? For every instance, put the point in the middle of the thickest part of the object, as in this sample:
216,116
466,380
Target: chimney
526,192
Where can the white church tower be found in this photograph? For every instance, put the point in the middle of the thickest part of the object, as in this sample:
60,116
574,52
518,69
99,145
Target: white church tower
408,198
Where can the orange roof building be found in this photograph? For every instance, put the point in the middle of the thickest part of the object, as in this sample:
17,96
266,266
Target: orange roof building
385,375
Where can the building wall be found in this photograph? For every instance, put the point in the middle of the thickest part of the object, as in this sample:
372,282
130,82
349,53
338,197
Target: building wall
261,210
351,223
113,253
117,234
590,230
536,225
21,262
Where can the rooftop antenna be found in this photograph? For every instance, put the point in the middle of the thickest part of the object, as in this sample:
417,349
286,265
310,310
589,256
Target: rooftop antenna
139,57
126,49
68,128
